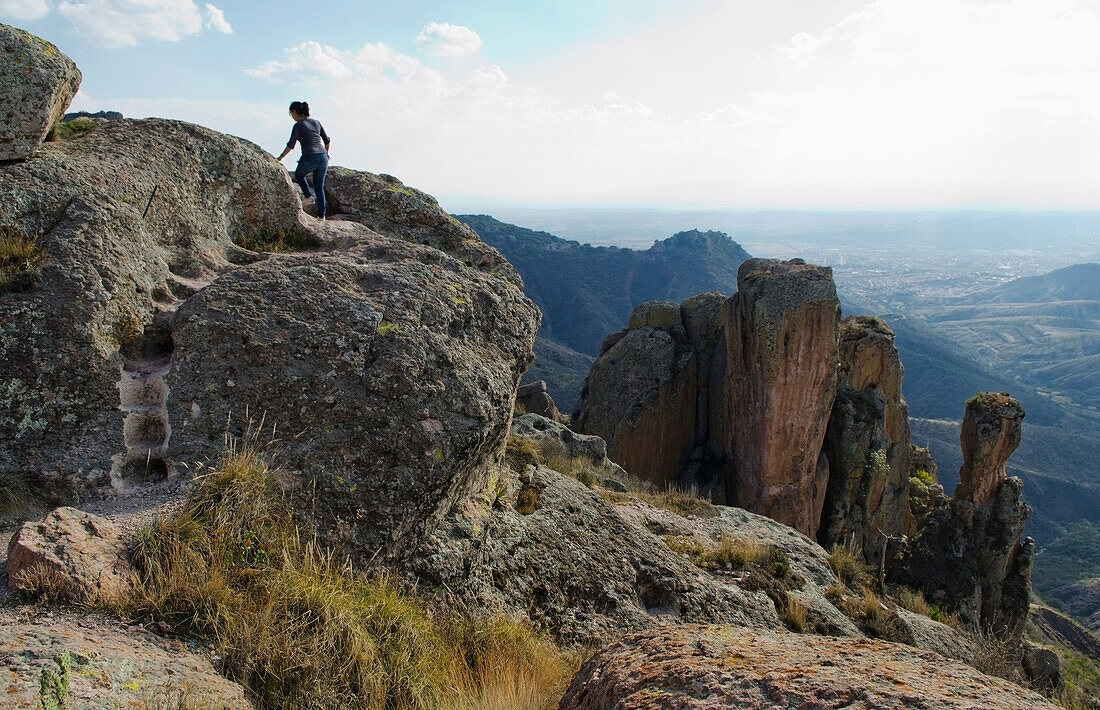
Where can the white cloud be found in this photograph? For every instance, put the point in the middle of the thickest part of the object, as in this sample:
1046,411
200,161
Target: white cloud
215,19
125,23
441,39
24,9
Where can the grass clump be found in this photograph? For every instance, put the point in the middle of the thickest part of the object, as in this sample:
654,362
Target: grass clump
17,491
683,503
794,613
553,454
521,452
20,261
273,240
300,628
849,567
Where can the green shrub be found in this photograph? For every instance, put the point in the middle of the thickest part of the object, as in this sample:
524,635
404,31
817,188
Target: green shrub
53,686
75,128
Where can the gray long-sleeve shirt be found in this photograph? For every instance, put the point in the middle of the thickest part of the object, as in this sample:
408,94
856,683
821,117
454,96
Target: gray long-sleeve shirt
311,134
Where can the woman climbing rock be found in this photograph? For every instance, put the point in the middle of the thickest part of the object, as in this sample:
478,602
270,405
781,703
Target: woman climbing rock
315,142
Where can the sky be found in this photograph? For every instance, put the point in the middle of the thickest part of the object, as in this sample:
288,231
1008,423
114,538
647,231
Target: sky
789,104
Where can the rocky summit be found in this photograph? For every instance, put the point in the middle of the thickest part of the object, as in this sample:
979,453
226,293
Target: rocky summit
300,442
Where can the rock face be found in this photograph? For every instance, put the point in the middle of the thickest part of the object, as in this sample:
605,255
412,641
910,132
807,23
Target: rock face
36,86
391,364
640,395
990,433
968,557
83,356
534,399
113,666
710,667
81,556
781,333
867,443
544,547
655,395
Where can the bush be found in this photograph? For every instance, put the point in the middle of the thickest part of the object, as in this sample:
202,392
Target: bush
300,629
17,491
77,127
683,503
20,260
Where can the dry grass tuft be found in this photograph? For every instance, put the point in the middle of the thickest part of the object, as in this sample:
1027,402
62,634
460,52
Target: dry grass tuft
301,629
914,601
20,259
45,585
849,567
553,455
17,491
683,503
794,613
997,653
277,241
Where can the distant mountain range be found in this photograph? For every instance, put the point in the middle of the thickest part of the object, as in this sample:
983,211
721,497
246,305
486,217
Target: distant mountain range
586,292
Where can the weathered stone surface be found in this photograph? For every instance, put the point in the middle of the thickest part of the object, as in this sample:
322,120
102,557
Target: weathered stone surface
867,443
36,86
534,399
707,469
663,315
113,666
781,334
1042,668
391,366
990,433
640,398
83,557
585,571
712,667
82,356
387,206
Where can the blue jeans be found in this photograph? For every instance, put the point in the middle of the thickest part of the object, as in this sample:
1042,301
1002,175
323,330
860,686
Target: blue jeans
316,163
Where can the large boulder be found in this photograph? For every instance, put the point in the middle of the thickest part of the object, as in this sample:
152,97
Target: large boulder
781,335
110,666
392,368
697,667
991,431
391,356
867,443
134,218
36,86
73,555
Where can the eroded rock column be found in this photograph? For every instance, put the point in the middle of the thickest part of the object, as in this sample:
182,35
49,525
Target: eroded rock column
781,340
867,442
990,433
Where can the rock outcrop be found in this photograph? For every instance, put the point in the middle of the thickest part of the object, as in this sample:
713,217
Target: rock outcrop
691,667
391,362
640,395
867,443
112,666
969,558
36,86
70,554
781,334
655,395
990,433
533,398
546,548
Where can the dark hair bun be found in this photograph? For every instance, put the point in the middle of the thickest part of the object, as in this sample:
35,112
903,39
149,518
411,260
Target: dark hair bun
300,107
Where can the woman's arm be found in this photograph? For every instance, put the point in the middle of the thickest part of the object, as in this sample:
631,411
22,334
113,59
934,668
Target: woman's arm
290,143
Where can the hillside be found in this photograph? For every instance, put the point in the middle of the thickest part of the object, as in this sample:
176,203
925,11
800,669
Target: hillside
586,292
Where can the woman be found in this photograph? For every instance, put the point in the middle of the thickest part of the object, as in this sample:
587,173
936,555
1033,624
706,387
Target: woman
311,134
